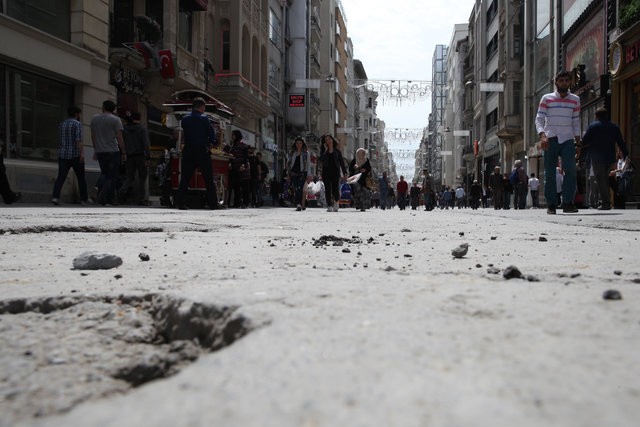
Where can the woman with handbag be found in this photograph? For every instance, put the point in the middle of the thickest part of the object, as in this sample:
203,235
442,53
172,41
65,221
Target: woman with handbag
333,168
361,165
299,170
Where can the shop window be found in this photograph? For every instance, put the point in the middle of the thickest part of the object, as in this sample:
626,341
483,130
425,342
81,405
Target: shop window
36,105
274,79
185,26
275,28
52,17
121,23
492,119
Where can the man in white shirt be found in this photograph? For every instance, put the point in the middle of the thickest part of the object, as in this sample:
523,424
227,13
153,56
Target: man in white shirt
534,185
558,125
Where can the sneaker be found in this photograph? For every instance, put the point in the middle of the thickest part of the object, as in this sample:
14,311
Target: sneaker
330,209
606,207
55,201
551,210
568,208
298,208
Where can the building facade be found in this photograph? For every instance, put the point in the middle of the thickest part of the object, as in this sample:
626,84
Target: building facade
50,58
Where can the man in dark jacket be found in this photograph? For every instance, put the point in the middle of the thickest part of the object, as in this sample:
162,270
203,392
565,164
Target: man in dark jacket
198,137
521,187
600,141
496,186
475,193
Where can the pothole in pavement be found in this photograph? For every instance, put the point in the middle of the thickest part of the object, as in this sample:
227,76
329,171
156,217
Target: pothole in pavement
331,240
58,352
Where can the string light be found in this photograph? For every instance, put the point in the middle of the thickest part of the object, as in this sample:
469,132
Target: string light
399,91
402,135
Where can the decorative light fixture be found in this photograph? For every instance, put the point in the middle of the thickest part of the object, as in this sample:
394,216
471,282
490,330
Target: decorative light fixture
398,91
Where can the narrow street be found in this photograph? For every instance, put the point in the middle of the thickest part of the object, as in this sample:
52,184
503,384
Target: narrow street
272,317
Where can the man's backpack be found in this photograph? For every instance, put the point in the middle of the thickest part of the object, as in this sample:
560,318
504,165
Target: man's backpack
513,178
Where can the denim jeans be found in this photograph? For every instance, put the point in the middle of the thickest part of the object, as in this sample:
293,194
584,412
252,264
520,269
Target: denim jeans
110,170
63,170
567,152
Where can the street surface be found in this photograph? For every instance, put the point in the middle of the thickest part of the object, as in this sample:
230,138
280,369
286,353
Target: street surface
386,329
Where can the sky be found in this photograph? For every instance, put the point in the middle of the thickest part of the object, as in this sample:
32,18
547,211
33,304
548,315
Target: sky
395,40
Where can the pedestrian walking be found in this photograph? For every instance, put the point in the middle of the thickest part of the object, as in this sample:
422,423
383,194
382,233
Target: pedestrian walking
414,195
198,138
239,170
136,143
383,186
621,180
254,173
263,172
8,195
558,125
475,194
402,188
333,169
299,169
460,195
109,150
428,192
521,186
534,186
70,155
496,185
600,142
360,165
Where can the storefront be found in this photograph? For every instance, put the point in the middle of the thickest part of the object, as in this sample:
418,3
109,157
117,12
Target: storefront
625,103
32,104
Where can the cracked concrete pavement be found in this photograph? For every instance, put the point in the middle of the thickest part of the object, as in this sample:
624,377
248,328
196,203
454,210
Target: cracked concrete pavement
385,329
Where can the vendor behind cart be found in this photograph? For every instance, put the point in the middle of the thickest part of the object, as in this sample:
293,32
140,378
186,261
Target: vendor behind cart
198,137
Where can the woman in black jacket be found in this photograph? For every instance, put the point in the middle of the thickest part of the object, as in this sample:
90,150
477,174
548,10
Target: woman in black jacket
333,168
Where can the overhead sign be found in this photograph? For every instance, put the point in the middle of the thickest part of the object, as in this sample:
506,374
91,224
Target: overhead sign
308,83
491,87
296,101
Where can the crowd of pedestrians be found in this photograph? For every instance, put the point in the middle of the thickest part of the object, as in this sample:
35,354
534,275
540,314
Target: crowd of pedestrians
123,155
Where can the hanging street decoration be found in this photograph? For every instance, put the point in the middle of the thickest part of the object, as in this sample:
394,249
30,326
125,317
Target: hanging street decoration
397,92
403,154
403,135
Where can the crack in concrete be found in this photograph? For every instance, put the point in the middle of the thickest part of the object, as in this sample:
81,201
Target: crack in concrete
79,229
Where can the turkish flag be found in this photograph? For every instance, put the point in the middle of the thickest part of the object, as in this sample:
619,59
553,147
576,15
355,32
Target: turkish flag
166,64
